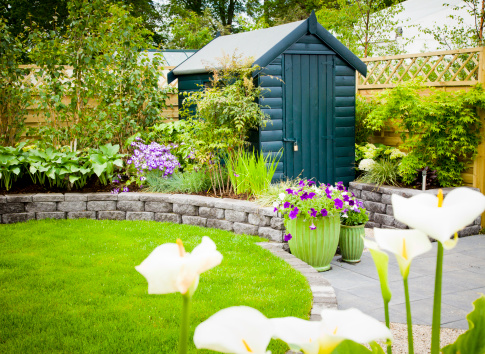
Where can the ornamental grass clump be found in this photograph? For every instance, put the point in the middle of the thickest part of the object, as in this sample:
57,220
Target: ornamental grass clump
152,157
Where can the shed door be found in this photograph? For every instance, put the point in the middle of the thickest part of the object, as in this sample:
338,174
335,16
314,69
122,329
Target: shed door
308,119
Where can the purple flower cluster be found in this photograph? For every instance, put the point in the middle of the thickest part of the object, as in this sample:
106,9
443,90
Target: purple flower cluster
153,157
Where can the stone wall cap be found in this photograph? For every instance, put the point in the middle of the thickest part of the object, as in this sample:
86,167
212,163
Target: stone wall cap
129,196
198,200
75,197
19,198
155,197
48,197
102,196
236,204
3,199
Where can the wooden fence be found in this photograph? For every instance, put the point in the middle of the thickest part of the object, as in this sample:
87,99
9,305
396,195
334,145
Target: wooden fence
36,117
449,71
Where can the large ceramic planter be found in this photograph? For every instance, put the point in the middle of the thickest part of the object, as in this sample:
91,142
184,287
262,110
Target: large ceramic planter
315,247
351,243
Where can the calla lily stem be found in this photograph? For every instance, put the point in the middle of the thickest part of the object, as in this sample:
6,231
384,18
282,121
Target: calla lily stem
184,327
409,319
388,323
435,331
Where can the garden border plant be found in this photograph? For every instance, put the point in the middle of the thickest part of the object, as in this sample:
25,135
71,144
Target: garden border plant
440,129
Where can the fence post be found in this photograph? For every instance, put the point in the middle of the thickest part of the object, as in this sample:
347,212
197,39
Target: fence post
479,163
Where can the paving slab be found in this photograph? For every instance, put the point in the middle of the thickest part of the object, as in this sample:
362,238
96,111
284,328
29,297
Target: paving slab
357,285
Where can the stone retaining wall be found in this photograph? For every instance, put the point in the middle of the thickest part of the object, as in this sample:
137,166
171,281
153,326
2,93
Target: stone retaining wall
241,217
377,201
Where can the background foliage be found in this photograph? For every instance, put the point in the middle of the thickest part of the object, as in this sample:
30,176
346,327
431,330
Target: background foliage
440,129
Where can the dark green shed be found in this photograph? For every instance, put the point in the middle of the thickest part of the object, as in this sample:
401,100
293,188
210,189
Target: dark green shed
311,99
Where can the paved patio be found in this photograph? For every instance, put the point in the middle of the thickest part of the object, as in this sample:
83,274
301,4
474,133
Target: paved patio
357,285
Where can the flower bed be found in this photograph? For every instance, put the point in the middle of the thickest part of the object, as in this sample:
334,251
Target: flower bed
377,201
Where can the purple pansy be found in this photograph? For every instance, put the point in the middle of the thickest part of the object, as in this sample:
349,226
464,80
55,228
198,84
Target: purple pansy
294,213
311,183
304,196
286,205
346,198
275,210
311,195
324,212
302,184
313,213
290,191
287,237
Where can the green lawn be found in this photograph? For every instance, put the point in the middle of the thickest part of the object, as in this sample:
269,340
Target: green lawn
71,286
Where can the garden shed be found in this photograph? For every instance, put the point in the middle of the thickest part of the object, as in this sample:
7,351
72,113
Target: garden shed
308,77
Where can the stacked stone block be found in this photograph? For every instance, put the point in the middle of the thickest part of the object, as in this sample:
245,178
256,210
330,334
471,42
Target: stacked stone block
377,201
241,217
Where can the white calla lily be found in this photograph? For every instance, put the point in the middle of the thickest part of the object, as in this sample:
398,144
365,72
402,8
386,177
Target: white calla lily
459,209
351,324
169,269
237,330
405,244
297,333
335,327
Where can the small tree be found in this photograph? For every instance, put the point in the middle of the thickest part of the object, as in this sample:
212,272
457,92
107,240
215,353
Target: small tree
366,27
462,35
15,91
113,89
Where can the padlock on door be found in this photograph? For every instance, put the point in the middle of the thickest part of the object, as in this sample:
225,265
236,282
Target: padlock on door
295,146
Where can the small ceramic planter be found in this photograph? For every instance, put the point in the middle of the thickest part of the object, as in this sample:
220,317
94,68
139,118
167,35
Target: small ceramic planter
351,243
315,247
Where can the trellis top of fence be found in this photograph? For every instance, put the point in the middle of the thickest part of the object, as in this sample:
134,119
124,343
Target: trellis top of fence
462,67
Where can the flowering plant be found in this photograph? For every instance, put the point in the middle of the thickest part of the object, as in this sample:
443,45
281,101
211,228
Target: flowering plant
353,212
310,201
152,157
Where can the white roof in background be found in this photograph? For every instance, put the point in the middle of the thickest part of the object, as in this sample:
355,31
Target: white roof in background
427,14
249,44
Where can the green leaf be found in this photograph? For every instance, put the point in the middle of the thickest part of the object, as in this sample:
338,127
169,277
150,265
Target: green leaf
351,347
73,178
381,260
99,168
118,163
473,340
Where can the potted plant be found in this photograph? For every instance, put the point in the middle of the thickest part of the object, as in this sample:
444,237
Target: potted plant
312,221
352,220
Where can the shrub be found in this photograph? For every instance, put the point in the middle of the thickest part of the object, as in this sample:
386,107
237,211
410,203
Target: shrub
440,130
15,92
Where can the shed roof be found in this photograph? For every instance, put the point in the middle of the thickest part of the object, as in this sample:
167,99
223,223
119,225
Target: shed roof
172,57
263,46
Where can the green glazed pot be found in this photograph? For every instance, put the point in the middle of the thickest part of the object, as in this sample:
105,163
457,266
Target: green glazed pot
351,243
315,247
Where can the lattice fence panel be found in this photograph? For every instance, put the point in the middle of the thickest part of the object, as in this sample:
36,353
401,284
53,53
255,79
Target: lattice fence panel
446,68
